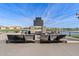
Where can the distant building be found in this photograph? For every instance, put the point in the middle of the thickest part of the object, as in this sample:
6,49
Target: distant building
38,26
3,27
14,27
38,21
36,29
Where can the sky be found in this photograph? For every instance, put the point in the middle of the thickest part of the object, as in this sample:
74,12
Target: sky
60,15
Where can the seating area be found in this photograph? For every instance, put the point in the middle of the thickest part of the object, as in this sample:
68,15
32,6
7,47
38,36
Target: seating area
51,38
30,38
56,38
15,39
44,39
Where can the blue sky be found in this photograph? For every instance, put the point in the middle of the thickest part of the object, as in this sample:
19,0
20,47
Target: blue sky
60,15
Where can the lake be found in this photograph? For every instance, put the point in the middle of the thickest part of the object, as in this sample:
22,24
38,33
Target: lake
69,33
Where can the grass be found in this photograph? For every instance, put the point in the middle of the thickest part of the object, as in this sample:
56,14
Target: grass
7,30
75,36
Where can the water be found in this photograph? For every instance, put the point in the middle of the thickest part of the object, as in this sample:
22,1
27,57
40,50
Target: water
69,33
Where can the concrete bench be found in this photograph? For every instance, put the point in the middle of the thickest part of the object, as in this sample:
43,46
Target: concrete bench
44,39
29,38
51,38
20,38
15,39
56,38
